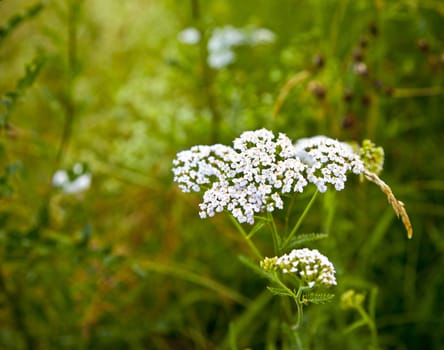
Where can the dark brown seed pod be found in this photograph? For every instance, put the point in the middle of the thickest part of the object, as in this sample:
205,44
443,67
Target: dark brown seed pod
348,121
348,96
358,54
373,29
318,61
366,100
388,91
378,85
423,45
317,89
363,42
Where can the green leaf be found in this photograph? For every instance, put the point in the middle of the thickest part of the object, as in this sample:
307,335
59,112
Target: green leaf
138,270
255,267
244,324
304,238
32,70
355,325
6,188
318,298
85,236
279,291
17,19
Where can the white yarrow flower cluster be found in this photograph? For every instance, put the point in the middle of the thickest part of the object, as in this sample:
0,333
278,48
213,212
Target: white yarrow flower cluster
251,177
328,161
200,165
309,265
265,168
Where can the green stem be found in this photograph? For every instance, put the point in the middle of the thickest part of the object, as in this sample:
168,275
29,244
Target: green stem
371,325
256,227
298,340
289,210
247,239
299,306
274,232
301,218
195,9
207,74
296,297
69,104
281,284
336,24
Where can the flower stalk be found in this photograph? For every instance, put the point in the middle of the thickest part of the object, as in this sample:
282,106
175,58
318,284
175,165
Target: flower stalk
300,220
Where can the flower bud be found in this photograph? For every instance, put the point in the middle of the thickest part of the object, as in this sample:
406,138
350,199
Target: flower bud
308,265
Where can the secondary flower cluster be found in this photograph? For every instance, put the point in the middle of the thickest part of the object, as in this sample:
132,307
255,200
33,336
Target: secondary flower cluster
308,265
328,161
252,176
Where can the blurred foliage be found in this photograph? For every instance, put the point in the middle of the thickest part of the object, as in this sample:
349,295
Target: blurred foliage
125,262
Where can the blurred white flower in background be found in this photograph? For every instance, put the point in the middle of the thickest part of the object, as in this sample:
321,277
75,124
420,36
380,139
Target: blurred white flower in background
221,58
262,36
226,37
223,39
189,36
72,181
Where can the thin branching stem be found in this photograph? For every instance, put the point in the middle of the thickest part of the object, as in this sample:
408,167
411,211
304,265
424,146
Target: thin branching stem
289,210
246,237
298,340
70,110
301,218
299,306
207,74
371,325
297,298
274,232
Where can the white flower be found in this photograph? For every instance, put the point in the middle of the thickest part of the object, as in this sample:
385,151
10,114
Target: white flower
221,58
223,40
262,36
220,44
251,177
265,168
225,37
309,265
244,180
328,161
80,181
59,178
201,165
189,36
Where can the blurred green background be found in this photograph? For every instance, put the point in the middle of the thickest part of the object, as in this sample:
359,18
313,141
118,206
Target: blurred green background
109,254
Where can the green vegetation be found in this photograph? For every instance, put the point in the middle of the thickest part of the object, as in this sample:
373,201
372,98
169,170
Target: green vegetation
99,248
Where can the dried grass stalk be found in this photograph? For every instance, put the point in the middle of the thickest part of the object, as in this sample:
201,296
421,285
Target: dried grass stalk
397,205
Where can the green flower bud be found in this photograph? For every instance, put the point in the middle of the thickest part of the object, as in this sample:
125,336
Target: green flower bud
372,157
